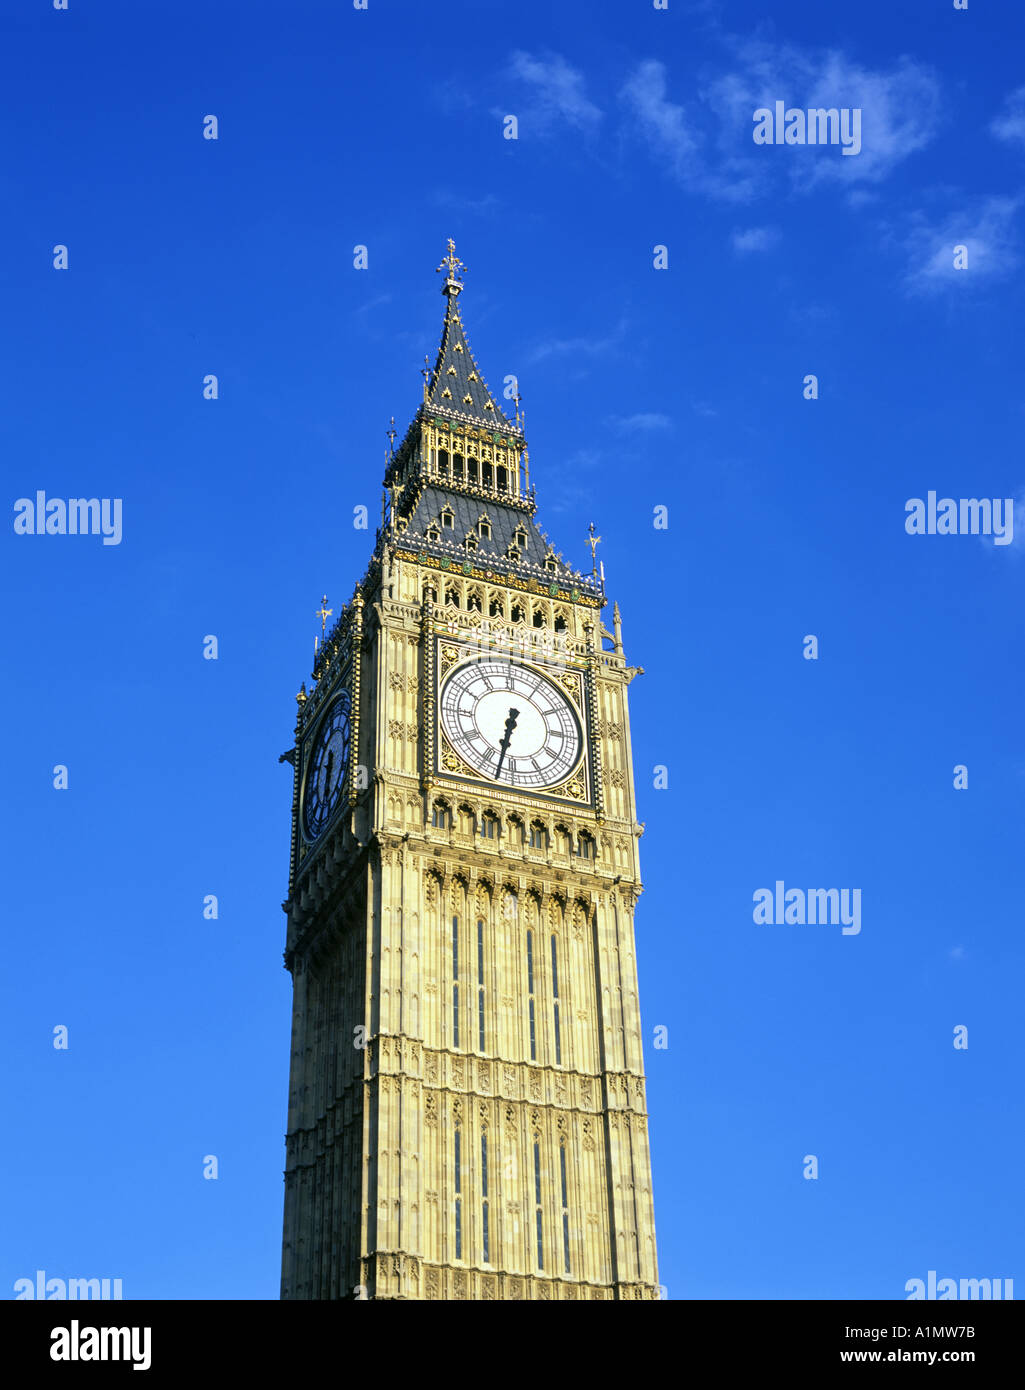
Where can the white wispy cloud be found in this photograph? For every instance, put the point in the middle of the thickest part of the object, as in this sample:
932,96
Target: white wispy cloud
557,90
643,420
708,145
754,239
986,230
458,202
900,114
1010,124
665,122
375,302
578,347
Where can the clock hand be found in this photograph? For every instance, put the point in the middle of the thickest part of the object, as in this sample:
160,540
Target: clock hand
327,771
510,724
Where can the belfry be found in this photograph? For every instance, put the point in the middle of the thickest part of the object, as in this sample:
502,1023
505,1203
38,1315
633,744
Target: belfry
467,1114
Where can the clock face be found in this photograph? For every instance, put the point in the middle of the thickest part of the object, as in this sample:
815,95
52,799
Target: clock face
325,773
510,723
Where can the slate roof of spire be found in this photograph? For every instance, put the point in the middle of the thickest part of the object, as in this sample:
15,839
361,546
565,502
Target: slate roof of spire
457,385
467,512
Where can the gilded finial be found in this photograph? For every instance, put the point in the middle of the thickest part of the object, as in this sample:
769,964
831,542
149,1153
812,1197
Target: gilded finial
593,541
390,432
323,613
425,372
454,267
300,699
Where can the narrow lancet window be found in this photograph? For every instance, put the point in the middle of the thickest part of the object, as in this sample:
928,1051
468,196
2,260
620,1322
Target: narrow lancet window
565,1207
555,1005
530,995
455,981
484,1196
480,985
537,1205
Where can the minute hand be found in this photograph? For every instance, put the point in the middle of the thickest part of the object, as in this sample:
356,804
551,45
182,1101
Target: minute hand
510,724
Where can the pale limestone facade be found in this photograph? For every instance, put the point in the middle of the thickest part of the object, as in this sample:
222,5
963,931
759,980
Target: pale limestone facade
467,1115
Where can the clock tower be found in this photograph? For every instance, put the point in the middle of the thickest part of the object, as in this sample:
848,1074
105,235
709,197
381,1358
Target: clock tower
466,1115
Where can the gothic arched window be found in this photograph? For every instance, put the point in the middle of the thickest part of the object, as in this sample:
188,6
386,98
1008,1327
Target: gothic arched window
480,984
455,982
555,1002
565,1206
484,1196
531,1017
537,1202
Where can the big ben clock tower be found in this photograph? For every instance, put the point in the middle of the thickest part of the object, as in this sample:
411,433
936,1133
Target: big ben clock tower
466,1115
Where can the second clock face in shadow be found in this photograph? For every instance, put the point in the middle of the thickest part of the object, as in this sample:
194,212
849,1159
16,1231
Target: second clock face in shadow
329,760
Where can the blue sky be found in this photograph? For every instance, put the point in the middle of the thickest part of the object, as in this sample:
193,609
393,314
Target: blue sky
681,388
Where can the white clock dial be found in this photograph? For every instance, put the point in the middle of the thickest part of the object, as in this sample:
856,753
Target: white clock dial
510,723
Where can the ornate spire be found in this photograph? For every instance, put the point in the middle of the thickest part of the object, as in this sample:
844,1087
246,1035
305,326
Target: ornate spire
459,482
456,385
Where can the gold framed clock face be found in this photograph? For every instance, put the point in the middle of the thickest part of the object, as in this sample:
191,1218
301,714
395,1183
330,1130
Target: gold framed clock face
510,723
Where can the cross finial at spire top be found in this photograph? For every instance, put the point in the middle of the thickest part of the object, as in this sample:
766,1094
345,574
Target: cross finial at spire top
454,267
